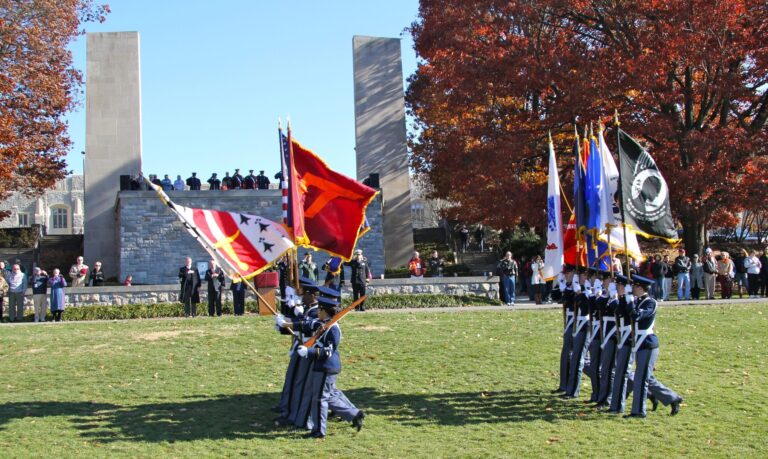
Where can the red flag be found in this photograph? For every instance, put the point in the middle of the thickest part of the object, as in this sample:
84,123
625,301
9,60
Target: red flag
573,254
333,205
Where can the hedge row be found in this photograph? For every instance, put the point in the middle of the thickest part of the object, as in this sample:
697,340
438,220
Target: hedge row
152,311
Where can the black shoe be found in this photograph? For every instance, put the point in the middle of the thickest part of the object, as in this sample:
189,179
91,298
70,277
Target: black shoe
567,397
676,407
357,422
282,422
600,406
613,412
315,434
654,402
557,391
633,415
276,409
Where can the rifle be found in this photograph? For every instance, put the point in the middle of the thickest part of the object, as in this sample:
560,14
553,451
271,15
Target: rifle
337,317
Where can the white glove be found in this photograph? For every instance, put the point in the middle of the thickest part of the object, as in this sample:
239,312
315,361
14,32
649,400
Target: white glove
302,351
280,320
576,287
612,290
298,310
630,298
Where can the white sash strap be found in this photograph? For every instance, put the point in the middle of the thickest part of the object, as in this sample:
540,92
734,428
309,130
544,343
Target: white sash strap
580,322
595,330
640,335
624,332
568,321
608,333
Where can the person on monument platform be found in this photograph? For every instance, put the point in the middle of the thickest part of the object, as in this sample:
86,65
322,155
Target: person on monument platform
166,184
189,295
237,180
646,348
359,277
193,182
178,184
214,182
249,182
262,182
216,281
226,182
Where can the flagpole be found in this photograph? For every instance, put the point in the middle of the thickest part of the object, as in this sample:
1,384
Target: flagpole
621,192
295,251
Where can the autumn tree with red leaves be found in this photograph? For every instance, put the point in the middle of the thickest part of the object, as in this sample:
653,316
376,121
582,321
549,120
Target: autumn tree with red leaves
688,78
38,86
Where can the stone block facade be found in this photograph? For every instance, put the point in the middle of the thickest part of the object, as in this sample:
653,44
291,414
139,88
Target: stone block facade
152,242
59,210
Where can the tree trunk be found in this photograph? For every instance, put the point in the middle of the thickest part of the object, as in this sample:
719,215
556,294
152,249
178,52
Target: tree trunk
694,235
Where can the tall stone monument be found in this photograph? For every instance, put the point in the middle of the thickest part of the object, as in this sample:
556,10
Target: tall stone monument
381,139
112,139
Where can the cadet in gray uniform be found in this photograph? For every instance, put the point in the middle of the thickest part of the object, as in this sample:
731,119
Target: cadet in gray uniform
581,288
622,337
566,289
607,311
646,348
596,303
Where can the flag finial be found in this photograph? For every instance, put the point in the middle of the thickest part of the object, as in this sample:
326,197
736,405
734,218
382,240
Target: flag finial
616,118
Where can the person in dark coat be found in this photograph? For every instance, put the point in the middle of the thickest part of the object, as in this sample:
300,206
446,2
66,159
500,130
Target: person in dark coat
193,182
57,284
238,288
214,182
97,275
262,182
189,296
359,278
249,182
215,280
237,180
764,273
226,182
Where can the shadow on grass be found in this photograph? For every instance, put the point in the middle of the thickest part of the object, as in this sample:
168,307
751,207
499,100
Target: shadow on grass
248,416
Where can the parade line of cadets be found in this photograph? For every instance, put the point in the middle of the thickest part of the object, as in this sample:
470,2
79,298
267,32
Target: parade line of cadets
14,283
309,391
608,326
235,181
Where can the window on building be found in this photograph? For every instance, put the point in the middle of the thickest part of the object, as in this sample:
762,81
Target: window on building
60,218
23,219
417,212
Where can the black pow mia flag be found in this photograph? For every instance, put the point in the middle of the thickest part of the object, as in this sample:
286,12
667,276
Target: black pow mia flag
644,192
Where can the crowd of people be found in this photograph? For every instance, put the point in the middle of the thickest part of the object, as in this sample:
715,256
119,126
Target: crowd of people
15,281
233,181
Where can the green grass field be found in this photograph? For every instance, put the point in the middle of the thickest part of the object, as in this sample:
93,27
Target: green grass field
470,384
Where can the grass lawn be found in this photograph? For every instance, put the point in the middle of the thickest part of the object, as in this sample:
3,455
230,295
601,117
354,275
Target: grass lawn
469,384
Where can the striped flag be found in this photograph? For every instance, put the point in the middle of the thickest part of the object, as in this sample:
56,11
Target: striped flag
553,253
242,243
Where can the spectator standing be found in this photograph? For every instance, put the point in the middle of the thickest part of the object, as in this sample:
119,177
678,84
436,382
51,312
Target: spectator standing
683,269
668,277
262,182
697,277
57,284
528,277
166,183
249,182
416,267
193,182
360,276
464,237
17,286
226,182
739,267
764,272
178,185
189,296
725,273
3,288
97,275
39,282
508,272
334,274
238,294
155,181
710,273
753,266
308,268
215,280
78,273
128,281
480,236
658,272
435,264
214,182
537,278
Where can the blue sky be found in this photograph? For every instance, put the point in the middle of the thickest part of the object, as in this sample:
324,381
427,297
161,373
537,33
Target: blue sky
216,76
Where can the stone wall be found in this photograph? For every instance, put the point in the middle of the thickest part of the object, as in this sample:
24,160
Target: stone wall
66,194
151,294
152,242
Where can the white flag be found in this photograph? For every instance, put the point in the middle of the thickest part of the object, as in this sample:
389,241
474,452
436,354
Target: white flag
609,212
553,253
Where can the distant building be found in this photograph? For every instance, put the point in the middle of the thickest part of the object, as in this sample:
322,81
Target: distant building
58,211
425,213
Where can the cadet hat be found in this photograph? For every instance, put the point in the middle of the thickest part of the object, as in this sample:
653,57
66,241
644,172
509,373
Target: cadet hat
328,291
568,268
329,305
307,285
358,251
642,281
